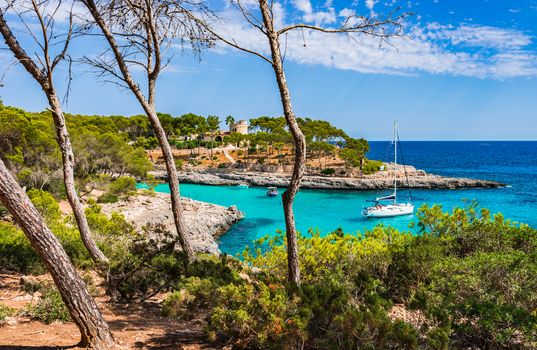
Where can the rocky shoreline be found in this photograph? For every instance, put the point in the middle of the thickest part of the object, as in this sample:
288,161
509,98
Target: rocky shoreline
418,180
205,221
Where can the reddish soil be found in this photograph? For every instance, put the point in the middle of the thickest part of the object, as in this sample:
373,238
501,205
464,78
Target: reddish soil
135,326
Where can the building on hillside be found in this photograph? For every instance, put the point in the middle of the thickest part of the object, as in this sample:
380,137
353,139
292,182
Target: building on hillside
241,127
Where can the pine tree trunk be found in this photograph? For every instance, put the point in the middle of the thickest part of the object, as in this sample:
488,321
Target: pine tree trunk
68,159
84,312
173,181
300,147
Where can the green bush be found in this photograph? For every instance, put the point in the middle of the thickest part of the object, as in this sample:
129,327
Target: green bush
45,204
123,185
193,293
371,166
49,308
328,171
16,253
179,163
5,312
108,198
471,276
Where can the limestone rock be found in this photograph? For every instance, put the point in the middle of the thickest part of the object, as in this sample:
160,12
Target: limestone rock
205,221
416,179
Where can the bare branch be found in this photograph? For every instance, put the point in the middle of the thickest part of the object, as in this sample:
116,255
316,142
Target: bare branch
369,26
229,42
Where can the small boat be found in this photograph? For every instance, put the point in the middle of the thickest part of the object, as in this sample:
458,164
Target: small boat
243,185
382,208
272,192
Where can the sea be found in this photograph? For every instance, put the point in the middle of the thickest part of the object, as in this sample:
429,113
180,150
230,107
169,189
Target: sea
511,162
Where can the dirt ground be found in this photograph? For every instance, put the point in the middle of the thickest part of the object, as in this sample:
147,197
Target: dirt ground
135,326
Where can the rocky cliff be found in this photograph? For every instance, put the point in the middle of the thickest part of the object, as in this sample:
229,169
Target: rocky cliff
205,221
416,180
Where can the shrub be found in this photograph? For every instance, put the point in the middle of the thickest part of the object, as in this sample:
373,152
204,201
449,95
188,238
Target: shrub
50,308
108,198
222,166
371,166
471,276
193,293
5,312
122,185
328,171
45,204
16,253
179,164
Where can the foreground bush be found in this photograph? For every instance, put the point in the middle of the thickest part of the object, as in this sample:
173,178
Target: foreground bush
49,308
470,277
5,312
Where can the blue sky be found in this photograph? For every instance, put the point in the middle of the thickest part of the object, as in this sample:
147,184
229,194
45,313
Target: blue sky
466,70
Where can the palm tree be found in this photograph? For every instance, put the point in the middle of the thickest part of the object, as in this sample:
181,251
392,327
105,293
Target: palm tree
230,121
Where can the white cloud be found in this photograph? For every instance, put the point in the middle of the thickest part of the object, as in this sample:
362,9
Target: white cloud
304,6
370,4
465,50
60,10
346,12
317,17
478,36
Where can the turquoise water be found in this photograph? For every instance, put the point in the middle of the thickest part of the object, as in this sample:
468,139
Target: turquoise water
514,163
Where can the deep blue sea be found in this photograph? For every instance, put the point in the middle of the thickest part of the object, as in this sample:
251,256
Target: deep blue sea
513,163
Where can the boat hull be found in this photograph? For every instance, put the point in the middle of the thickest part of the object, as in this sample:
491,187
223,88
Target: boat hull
387,211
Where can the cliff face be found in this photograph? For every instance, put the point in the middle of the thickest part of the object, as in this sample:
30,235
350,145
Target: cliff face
205,221
416,180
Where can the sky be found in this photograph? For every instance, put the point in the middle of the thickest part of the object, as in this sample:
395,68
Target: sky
463,70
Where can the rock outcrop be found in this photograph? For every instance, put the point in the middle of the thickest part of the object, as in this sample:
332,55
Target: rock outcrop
417,180
205,221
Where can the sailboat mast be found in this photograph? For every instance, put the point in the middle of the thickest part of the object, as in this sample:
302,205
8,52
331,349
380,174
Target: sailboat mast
395,162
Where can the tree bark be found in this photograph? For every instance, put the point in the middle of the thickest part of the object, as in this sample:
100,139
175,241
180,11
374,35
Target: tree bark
173,182
299,141
44,78
68,158
82,308
149,108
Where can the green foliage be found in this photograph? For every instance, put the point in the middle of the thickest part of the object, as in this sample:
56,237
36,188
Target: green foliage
101,145
16,253
5,312
470,275
50,308
122,185
259,310
45,204
328,171
350,157
108,198
179,163
371,166
482,279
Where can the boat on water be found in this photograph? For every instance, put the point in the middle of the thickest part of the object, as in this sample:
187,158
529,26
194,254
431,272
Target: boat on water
243,185
272,192
387,206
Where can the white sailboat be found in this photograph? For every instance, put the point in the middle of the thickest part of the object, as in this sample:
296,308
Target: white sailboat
382,208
